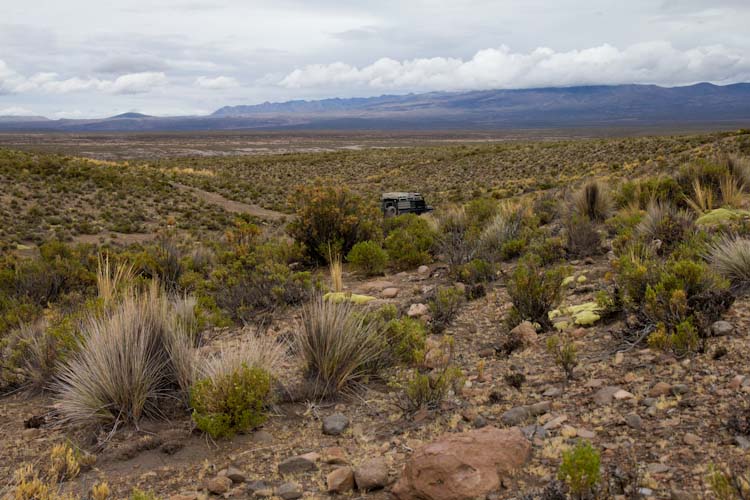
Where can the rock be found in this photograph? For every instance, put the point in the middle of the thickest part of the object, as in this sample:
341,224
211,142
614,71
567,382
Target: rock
335,455
552,392
423,270
219,485
634,420
585,434
371,474
264,493
568,431
417,310
534,431
679,389
390,293
619,358
335,424
254,486
340,480
526,333
262,437
657,468
555,423
289,491
622,394
516,415
236,475
660,389
721,328
595,383
463,466
736,382
479,422
605,395
742,442
301,463
691,439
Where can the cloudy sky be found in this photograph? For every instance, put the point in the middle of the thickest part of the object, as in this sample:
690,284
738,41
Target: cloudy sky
92,58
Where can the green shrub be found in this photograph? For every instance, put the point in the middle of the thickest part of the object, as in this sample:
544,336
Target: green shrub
331,220
406,339
428,390
501,239
512,248
458,243
231,402
639,194
138,494
476,271
480,211
444,307
409,241
582,238
535,291
580,469
368,258
564,352
550,249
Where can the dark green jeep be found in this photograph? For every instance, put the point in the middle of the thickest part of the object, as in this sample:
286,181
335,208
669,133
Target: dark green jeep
394,204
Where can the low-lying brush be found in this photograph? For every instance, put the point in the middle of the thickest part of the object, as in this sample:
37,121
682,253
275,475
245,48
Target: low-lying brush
444,307
534,291
368,258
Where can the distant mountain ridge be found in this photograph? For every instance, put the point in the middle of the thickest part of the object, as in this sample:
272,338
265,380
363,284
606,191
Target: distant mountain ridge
565,107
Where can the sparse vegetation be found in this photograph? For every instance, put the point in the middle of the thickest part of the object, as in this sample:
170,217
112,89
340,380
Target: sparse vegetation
535,291
580,469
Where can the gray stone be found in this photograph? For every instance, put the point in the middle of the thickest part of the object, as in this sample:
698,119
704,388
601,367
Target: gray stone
335,424
634,420
742,442
534,431
479,422
372,474
605,395
294,465
258,485
721,328
236,475
517,415
289,491
678,389
423,270
262,437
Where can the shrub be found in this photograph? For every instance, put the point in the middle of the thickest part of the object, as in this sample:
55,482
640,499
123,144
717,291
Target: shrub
338,347
534,291
582,238
368,258
682,340
456,241
409,241
500,240
138,494
550,249
405,338
428,390
444,307
128,364
580,469
592,202
480,211
730,257
475,271
565,354
545,208
727,484
230,401
665,224
331,219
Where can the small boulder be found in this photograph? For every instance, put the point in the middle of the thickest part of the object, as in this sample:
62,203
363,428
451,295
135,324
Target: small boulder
463,466
371,474
335,424
340,480
660,389
605,395
289,491
301,463
722,328
423,270
335,455
219,485
634,421
417,310
390,293
233,473
526,333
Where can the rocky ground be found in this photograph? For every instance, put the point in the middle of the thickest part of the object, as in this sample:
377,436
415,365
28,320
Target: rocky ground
658,420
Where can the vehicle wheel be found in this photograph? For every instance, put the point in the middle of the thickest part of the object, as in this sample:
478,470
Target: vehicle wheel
390,211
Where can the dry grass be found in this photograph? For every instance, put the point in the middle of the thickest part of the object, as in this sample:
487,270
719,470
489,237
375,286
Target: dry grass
257,351
732,191
593,202
702,199
338,348
730,257
129,363
336,270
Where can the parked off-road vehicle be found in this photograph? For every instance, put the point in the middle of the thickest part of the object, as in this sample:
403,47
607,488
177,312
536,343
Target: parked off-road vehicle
394,204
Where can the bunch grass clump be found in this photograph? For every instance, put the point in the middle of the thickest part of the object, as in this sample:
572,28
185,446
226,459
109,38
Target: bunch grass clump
338,347
730,257
593,202
129,363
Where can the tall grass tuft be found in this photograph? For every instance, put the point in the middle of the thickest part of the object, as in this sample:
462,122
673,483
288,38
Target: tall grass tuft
336,269
732,191
593,201
702,199
338,347
130,363
113,280
730,257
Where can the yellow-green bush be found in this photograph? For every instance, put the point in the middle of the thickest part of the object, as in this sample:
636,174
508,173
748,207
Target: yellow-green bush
368,257
409,241
534,291
580,469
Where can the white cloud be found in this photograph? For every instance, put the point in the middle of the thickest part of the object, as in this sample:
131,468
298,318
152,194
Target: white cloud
655,62
12,82
16,111
218,83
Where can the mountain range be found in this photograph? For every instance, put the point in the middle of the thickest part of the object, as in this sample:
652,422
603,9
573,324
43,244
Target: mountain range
702,104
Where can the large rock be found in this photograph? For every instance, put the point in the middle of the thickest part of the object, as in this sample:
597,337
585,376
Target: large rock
301,463
372,474
463,466
219,485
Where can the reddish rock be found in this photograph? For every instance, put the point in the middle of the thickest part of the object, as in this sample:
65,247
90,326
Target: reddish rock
526,333
463,466
340,480
372,474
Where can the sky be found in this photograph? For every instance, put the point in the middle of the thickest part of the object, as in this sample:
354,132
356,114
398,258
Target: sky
86,58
